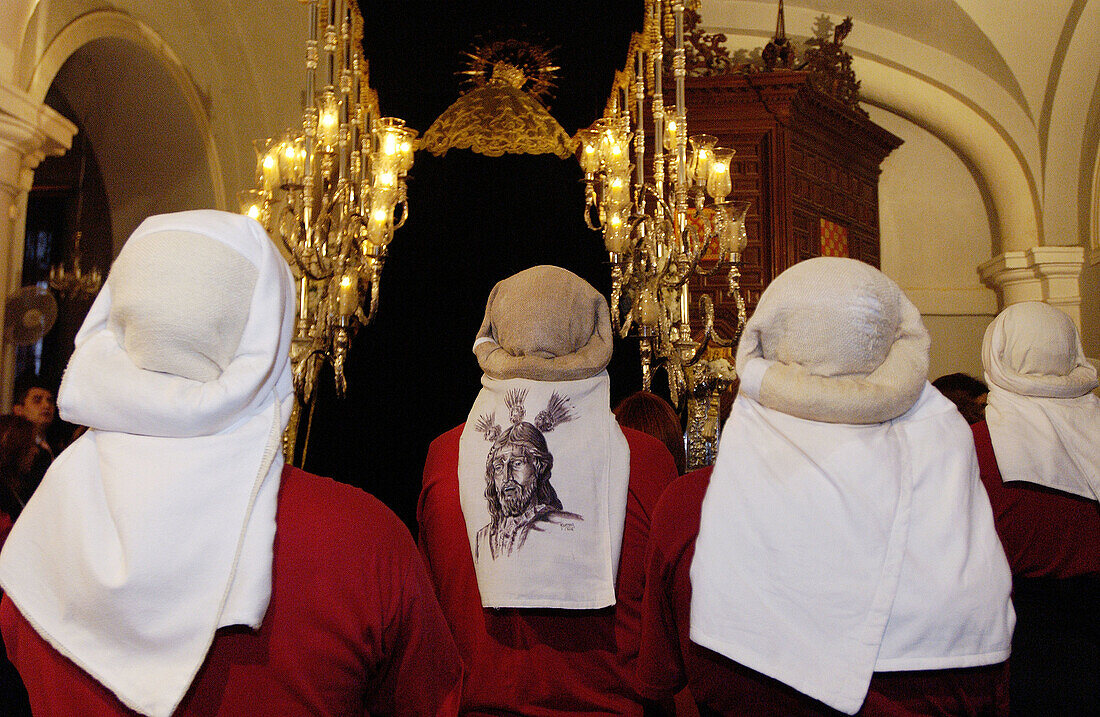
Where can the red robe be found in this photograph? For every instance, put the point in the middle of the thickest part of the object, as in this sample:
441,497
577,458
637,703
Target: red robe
1052,540
1045,533
669,661
541,661
353,627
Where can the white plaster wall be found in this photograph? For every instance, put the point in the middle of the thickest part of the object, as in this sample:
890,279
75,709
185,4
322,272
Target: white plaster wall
956,344
935,232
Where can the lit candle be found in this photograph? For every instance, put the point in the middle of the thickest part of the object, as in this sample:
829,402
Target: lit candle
269,167
670,134
378,225
588,153
616,238
328,121
702,147
300,158
389,144
405,150
618,192
719,182
347,294
618,156
251,203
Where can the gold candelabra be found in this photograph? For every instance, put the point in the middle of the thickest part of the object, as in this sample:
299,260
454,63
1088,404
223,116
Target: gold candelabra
333,193
651,204
75,283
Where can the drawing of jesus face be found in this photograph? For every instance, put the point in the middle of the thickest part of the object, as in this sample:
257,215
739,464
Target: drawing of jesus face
515,476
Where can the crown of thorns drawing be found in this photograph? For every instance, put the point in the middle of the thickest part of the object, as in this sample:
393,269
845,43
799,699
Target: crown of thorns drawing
557,412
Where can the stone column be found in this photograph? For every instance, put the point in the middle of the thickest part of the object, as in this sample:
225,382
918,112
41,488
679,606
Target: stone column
1042,273
29,131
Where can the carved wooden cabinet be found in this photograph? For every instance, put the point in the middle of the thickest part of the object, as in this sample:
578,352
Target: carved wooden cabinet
808,165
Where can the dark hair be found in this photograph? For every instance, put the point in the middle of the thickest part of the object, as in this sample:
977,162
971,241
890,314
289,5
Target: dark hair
961,382
24,384
16,441
649,413
533,443
966,393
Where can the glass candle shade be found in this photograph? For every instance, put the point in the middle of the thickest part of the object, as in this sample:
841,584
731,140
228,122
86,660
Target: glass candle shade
388,133
588,153
618,153
405,150
293,160
702,152
649,311
328,121
670,130
347,293
380,224
393,144
251,202
719,182
618,191
269,169
732,236
616,237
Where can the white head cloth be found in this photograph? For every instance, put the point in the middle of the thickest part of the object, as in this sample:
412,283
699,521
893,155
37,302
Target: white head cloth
1044,420
845,529
155,528
545,403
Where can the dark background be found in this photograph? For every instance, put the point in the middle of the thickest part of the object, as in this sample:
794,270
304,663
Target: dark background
474,220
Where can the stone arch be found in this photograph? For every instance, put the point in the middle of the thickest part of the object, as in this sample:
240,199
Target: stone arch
147,122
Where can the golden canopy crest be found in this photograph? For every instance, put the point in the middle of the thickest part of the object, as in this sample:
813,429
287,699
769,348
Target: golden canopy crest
502,113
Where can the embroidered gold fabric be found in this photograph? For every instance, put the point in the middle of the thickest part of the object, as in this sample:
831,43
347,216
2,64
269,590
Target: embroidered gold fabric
497,119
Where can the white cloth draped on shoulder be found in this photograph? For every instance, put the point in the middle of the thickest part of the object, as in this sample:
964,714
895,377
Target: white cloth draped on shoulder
543,473
827,551
156,527
1044,420
845,529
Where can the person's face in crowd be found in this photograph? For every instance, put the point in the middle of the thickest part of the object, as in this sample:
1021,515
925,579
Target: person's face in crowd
514,476
37,407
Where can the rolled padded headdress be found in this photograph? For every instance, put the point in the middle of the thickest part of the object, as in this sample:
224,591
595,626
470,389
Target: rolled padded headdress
844,511
1033,349
1043,418
834,340
544,324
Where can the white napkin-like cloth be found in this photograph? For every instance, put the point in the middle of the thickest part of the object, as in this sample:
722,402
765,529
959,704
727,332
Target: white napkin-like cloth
560,547
1044,420
829,551
156,527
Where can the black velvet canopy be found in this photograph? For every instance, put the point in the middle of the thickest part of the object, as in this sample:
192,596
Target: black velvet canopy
474,220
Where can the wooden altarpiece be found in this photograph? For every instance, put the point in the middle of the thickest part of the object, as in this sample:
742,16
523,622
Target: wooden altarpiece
808,165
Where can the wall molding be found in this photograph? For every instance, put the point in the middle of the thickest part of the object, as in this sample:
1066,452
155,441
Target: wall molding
1051,274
